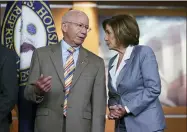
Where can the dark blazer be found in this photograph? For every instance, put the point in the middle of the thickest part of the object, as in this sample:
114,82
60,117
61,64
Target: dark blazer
8,86
138,88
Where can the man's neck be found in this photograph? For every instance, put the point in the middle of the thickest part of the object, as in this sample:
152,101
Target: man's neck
72,45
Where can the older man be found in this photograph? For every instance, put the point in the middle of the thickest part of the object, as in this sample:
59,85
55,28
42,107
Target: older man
68,82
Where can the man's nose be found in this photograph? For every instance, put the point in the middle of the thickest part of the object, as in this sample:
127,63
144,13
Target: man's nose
84,30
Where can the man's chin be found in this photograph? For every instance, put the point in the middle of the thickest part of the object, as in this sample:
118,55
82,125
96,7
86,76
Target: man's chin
79,44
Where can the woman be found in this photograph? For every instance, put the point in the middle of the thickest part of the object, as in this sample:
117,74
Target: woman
134,82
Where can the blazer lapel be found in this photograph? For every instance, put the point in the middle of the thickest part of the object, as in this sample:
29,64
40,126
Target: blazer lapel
125,68
56,58
81,63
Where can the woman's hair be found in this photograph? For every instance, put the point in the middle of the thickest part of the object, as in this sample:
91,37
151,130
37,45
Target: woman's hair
125,27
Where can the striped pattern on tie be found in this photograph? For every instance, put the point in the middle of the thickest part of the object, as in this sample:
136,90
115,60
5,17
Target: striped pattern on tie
69,68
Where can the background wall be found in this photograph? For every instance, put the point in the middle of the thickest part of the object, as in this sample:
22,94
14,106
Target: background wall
175,114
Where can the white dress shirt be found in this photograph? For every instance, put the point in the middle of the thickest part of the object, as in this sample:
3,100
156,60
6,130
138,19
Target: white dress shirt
115,73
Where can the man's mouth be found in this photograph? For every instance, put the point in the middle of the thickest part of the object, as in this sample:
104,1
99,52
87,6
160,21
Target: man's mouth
82,38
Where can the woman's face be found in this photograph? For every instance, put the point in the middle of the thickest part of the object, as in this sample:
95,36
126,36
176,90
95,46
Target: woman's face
110,38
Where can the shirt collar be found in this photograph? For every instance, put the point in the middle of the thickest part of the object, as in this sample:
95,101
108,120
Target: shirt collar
126,56
66,46
128,52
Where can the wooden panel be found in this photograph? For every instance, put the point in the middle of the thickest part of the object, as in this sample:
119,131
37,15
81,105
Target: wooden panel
14,127
176,125
57,17
109,126
175,110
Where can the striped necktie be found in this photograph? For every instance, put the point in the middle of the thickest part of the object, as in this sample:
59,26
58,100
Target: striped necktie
69,68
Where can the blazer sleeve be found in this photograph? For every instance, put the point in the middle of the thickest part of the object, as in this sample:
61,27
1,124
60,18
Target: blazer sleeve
113,98
9,85
34,73
151,82
99,100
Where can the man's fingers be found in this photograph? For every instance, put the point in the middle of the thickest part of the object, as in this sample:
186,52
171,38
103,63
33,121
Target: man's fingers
45,79
45,86
48,88
37,83
47,83
44,83
41,77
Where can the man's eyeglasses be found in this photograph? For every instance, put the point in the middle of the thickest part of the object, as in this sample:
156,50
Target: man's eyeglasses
79,25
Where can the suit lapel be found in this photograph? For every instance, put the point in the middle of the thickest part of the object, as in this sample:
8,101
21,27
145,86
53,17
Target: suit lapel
56,58
81,63
125,68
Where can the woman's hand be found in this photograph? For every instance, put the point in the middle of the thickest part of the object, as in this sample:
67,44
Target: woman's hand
116,112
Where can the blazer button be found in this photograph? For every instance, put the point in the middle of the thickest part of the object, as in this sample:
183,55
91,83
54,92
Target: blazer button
62,105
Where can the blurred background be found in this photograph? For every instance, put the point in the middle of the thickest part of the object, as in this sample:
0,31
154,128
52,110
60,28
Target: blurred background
162,27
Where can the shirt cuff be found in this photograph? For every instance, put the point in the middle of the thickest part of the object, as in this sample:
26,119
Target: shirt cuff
126,108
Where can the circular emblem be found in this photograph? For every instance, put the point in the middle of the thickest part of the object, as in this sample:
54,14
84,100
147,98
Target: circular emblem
31,29
27,26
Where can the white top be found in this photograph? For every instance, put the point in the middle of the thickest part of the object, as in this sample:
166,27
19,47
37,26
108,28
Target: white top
115,73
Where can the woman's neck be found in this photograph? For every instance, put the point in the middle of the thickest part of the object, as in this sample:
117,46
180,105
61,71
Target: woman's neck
121,52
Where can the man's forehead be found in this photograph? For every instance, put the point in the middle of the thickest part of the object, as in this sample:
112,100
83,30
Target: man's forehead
75,15
78,17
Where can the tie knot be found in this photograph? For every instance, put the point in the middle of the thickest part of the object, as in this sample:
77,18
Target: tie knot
71,50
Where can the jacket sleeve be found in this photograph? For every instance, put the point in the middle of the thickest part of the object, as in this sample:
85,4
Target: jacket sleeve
113,99
30,90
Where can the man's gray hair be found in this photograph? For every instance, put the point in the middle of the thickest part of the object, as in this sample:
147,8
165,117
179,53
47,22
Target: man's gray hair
70,14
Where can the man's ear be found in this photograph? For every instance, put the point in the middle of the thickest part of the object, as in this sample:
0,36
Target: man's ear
64,27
